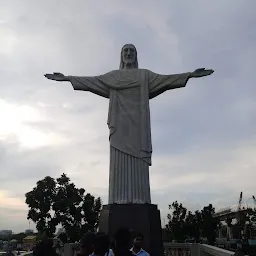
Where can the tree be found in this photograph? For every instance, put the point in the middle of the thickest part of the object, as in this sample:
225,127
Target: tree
250,222
53,202
189,221
185,224
63,237
177,221
40,201
209,224
193,225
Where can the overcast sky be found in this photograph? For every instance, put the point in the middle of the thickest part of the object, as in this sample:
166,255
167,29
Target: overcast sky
204,135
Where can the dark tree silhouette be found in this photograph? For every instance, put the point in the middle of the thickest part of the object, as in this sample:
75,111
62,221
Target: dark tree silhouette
53,202
184,224
177,221
209,224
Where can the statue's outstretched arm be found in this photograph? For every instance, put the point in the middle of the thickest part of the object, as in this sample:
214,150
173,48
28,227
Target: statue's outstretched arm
200,72
161,83
94,84
57,77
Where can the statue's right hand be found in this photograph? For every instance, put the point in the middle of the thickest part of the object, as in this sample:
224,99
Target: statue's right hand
56,77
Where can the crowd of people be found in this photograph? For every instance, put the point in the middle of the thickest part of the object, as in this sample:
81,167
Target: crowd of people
99,244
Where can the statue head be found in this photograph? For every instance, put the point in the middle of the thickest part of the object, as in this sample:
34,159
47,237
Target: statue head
128,57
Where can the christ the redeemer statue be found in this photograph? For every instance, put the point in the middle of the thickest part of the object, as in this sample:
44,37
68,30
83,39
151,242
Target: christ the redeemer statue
129,90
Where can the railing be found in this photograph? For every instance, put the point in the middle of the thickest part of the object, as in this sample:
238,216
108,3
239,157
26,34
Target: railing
172,249
177,249
186,249
206,250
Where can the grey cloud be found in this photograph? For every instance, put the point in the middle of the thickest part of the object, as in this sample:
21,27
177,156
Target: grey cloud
24,166
193,200
20,223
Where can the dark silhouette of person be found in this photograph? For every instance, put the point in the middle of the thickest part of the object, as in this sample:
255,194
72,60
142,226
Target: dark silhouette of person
44,248
122,242
101,247
87,244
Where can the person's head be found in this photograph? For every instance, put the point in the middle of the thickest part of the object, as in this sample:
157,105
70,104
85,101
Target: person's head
87,244
101,246
128,57
122,239
138,241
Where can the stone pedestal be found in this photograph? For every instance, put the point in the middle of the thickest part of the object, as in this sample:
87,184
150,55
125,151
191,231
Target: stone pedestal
142,218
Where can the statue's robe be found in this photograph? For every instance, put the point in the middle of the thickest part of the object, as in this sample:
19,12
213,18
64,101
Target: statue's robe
129,92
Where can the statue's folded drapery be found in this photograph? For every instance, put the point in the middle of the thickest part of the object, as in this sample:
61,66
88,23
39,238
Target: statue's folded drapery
129,92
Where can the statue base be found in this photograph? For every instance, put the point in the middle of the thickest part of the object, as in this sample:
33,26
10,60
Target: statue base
142,218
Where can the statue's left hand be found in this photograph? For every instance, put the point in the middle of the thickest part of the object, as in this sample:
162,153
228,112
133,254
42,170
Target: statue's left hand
56,77
200,72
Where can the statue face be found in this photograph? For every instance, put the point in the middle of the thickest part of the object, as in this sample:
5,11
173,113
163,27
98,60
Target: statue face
129,54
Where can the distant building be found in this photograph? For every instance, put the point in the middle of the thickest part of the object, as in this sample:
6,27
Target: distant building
29,242
29,231
5,233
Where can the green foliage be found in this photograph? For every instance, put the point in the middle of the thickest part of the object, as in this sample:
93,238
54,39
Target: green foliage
193,224
53,202
184,224
177,221
250,219
209,225
40,201
63,238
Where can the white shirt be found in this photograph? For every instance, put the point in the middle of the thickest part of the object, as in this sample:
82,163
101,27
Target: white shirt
109,253
141,252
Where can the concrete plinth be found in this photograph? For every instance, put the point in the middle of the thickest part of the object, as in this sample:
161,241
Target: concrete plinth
143,218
